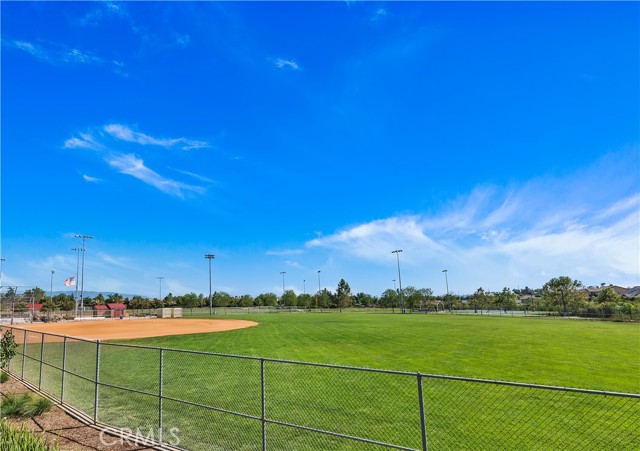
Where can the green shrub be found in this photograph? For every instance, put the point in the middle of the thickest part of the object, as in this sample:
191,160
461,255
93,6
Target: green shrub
20,438
4,377
12,405
36,405
7,348
24,405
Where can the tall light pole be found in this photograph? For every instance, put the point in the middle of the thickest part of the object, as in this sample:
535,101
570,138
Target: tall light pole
84,237
51,288
319,282
160,299
394,285
446,279
283,273
304,286
210,257
75,298
1,260
397,252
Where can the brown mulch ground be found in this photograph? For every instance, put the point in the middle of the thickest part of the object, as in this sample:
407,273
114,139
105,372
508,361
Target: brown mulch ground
62,429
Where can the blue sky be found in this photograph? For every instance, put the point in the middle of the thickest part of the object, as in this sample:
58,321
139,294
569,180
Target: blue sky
498,140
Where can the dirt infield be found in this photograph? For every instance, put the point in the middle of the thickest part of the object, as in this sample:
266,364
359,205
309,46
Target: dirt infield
138,328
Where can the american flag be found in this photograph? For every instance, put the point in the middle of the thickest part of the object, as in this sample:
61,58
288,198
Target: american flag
70,282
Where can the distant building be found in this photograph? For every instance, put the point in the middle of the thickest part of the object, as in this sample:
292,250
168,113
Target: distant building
595,291
116,309
113,310
101,310
633,293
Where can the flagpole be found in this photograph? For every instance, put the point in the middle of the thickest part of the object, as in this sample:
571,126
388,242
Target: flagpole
77,272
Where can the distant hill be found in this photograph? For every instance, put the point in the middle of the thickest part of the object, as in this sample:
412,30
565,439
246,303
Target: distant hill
93,294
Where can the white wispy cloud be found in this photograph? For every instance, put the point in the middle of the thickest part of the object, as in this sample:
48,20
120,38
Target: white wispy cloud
84,141
545,226
379,14
181,40
115,143
124,133
285,252
90,179
102,11
131,165
282,63
58,54
199,177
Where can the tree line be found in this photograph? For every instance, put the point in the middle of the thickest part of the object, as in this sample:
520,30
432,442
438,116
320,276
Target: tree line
563,295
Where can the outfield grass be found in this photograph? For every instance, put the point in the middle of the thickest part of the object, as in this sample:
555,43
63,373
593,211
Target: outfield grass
384,407
572,353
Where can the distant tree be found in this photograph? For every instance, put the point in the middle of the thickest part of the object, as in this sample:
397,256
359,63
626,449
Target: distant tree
222,299
289,298
411,296
266,299
389,298
138,303
343,295
189,300
628,308
20,305
506,299
66,303
48,306
99,299
450,301
564,291
246,300
304,300
38,294
170,300
114,298
363,300
478,300
324,299
608,295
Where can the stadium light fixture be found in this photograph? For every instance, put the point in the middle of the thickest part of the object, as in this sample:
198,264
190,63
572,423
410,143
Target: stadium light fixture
397,252
75,298
84,237
210,257
160,279
446,279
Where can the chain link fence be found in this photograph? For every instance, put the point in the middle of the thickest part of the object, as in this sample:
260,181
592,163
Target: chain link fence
209,401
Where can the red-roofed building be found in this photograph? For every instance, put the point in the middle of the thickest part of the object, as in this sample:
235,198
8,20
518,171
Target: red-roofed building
101,310
35,307
116,309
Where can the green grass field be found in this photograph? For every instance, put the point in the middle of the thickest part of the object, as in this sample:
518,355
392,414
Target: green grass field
384,407
572,353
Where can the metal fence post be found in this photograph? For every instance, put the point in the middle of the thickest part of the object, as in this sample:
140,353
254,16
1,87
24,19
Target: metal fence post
160,397
95,405
24,351
41,362
423,424
64,368
264,407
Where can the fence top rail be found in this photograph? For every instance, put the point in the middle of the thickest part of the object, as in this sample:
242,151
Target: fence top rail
347,367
